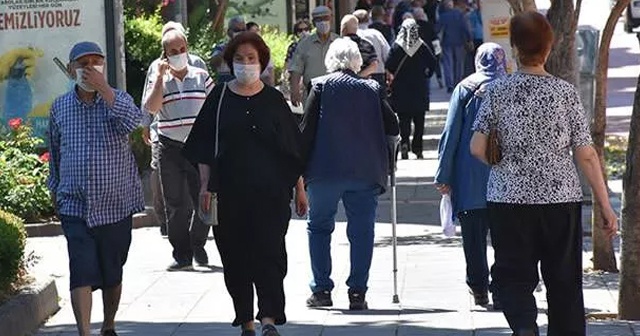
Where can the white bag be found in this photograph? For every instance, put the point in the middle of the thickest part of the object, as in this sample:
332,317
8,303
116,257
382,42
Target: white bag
446,216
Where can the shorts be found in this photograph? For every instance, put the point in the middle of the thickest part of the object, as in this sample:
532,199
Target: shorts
96,255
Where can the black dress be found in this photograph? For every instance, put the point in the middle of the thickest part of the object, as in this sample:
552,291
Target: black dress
254,175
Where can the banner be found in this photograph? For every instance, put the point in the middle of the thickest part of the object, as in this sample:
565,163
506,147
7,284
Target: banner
495,18
35,39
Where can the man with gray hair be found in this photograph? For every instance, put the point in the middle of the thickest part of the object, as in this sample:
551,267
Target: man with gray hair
380,45
349,29
347,158
235,26
176,93
150,133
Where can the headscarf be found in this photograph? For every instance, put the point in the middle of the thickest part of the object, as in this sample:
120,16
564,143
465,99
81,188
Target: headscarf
491,64
409,37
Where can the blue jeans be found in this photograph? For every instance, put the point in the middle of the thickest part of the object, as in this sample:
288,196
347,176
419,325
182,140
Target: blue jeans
453,59
475,226
360,200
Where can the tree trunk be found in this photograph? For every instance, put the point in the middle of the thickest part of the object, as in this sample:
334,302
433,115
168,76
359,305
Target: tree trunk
217,10
519,6
563,59
629,293
603,254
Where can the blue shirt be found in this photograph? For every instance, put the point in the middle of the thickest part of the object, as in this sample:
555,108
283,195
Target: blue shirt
455,28
475,19
93,173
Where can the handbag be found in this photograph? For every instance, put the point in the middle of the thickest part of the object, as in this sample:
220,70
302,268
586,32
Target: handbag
211,216
494,152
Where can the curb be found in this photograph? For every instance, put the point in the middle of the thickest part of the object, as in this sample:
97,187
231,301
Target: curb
25,312
52,229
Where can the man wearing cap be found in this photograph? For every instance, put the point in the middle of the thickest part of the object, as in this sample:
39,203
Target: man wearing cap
175,94
94,182
150,136
308,59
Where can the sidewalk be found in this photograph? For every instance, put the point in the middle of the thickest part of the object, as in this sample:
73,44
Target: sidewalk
433,294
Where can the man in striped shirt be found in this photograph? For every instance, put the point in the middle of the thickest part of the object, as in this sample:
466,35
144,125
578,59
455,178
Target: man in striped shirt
94,182
176,93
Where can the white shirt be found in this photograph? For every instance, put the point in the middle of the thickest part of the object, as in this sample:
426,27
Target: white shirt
380,45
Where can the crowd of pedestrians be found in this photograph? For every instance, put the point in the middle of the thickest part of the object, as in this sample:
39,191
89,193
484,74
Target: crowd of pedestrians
228,155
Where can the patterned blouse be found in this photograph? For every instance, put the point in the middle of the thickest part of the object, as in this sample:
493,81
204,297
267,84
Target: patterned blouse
539,120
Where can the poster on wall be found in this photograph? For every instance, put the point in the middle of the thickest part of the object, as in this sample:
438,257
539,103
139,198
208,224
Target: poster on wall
495,17
35,39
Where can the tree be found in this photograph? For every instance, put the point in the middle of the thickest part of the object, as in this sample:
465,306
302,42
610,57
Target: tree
603,252
629,295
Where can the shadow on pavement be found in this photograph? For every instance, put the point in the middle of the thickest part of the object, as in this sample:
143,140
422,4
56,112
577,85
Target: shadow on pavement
388,312
427,239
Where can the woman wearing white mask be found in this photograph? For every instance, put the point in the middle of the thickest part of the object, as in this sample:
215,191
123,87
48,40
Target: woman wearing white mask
256,168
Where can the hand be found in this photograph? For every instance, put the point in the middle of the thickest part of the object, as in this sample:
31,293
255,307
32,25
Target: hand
302,203
205,200
610,220
163,67
95,79
146,135
296,98
443,189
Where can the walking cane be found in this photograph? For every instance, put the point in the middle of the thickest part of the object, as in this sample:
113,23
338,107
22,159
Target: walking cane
393,149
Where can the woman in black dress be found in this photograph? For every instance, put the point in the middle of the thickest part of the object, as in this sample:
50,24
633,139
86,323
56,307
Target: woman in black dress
254,175
411,61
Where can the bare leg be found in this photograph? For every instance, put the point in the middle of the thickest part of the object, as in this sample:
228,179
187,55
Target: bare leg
248,326
81,303
268,320
111,301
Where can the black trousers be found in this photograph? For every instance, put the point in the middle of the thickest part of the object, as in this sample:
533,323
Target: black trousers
549,234
179,178
417,118
251,242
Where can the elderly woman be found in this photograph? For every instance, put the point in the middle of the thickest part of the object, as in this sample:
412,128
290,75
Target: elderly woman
463,176
411,62
345,129
254,173
534,194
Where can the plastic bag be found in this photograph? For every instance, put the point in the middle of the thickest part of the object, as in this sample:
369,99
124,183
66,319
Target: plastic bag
446,216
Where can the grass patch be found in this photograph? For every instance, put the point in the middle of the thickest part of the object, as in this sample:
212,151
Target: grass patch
615,151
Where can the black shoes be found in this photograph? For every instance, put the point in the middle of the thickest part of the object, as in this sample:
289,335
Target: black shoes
248,333
404,152
357,301
201,257
497,305
320,299
480,298
109,332
180,266
269,330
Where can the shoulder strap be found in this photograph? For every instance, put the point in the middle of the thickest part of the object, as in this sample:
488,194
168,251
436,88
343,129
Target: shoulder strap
217,144
400,65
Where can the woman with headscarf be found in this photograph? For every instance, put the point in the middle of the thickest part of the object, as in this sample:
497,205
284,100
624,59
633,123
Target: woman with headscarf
411,62
464,177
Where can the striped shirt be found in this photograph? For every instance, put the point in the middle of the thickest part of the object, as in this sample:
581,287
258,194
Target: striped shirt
92,170
181,102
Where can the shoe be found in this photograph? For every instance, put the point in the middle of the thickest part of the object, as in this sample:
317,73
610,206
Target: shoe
525,333
497,306
357,301
163,231
404,152
109,332
480,298
419,156
248,333
320,299
180,266
201,257
269,330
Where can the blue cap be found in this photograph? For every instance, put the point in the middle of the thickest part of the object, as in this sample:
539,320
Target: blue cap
83,49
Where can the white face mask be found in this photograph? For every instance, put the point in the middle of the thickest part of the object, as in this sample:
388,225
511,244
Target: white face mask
246,73
323,27
178,62
83,85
